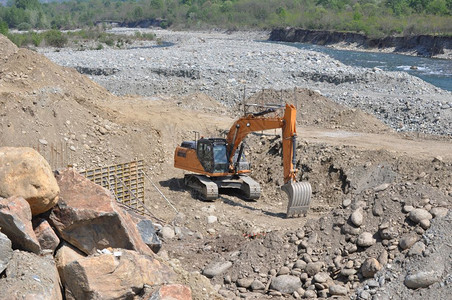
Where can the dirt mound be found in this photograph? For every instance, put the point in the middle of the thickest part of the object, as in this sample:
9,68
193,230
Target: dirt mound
313,109
6,46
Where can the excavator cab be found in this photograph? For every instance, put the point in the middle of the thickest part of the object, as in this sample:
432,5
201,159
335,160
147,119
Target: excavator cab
213,155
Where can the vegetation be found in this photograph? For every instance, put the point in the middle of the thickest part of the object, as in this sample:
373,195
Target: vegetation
371,17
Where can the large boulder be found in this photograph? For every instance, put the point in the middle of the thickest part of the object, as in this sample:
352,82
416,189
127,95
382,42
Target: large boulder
29,276
46,236
6,251
149,235
24,172
120,274
15,222
88,217
66,255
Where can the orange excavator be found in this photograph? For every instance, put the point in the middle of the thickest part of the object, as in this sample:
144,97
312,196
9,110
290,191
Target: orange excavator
217,164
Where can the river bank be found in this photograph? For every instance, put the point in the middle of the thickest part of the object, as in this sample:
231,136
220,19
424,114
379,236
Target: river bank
226,66
419,45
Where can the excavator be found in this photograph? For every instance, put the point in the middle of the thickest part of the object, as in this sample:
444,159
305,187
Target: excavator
220,163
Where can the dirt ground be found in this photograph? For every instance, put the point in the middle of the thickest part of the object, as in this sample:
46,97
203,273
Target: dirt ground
344,153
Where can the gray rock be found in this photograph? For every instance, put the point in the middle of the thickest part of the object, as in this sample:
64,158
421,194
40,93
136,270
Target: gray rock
381,187
338,290
285,284
6,252
257,285
309,294
148,234
365,295
245,282
321,277
167,233
346,203
313,268
419,214
421,279
216,268
439,212
417,249
365,239
357,218
370,267
425,224
284,270
407,208
300,264
211,219
408,240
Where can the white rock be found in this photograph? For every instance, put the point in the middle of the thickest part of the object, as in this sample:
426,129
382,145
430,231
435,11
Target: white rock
212,219
419,214
357,218
421,279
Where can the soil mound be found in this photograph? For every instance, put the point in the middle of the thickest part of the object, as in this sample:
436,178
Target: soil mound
313,109
6,46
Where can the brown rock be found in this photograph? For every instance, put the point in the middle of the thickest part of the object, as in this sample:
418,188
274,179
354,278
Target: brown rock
46,236
24,172
88,217
15,221
370,267
120,275
29,276
172,292
66,255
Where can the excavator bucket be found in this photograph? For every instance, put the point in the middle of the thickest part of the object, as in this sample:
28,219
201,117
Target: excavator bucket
299,194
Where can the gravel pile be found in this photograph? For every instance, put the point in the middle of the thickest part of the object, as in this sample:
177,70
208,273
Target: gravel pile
223,65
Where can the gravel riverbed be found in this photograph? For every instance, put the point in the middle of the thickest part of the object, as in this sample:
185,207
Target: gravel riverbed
223,65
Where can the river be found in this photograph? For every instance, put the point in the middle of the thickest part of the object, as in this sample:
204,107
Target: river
435,71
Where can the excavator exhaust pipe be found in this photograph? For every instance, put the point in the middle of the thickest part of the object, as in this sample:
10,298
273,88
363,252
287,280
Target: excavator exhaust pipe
299,194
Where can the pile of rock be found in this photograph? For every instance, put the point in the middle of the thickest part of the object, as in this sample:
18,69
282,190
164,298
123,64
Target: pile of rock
71,239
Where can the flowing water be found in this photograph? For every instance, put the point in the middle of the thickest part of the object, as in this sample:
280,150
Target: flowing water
435,71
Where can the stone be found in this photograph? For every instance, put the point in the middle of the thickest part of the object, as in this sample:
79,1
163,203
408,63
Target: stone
377,209
117,275
421,279
381,187
48,240
346,203
6,251
310,294
149,235
88,217
408,208
172,292
245,282
321,277
383,257
29,276
167,233
15,222
388,233
284,271
313,268
408,240
439,212
257,285
425,224
65,255
365,239
338,290
285,284
419,214
211,219
24,172
216,268
417,249
357,218
370,267
300,264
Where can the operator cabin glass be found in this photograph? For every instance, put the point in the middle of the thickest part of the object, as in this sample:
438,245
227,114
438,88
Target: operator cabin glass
220,158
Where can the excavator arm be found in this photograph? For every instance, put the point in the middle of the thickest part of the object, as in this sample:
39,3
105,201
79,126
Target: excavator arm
299,193
259,122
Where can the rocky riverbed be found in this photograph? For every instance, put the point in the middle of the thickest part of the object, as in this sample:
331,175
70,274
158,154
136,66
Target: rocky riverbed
228,65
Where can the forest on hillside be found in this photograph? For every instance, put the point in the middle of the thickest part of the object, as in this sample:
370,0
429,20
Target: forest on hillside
375,18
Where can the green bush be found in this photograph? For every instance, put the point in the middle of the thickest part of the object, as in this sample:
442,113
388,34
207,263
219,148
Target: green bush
24,26
3,28
55,38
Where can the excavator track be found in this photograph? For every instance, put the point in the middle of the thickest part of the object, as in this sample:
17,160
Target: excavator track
205,188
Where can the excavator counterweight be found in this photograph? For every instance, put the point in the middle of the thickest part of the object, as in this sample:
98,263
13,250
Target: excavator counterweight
217,164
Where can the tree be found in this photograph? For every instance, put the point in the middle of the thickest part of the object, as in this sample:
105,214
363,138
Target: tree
27,4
